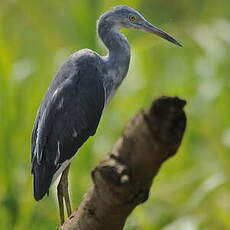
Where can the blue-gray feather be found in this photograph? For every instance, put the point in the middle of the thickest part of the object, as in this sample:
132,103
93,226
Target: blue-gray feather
67,118
73,104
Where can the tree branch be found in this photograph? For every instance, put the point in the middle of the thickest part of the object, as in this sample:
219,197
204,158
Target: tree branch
123,179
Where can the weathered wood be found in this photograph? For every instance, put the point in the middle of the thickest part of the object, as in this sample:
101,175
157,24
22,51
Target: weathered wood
123,179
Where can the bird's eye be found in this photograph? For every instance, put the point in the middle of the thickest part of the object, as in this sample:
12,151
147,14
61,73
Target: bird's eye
132,18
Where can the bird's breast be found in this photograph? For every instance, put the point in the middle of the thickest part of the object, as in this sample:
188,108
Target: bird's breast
112,81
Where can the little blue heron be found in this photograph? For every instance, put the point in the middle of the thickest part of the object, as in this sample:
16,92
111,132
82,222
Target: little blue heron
74,102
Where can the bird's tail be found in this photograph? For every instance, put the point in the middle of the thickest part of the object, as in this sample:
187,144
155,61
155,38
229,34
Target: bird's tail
42,179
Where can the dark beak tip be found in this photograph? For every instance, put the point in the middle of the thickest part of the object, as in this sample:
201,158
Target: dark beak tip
179,44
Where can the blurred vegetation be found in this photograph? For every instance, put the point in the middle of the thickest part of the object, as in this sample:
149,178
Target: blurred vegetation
192,190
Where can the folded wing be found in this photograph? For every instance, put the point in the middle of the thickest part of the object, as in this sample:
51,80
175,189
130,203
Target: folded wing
69,119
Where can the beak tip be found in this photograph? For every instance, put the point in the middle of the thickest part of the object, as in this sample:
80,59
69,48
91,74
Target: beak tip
178,44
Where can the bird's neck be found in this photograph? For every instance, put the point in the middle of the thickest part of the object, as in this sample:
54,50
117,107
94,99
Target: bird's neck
118,57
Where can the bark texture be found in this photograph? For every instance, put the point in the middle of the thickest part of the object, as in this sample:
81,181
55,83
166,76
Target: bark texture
123,179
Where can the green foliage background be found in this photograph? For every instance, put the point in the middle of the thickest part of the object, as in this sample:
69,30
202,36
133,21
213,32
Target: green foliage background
192,189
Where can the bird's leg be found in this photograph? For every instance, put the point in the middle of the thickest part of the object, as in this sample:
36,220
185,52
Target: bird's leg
60,201
65,185
63,194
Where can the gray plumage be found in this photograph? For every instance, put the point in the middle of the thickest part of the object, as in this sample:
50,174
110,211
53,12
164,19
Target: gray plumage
73,105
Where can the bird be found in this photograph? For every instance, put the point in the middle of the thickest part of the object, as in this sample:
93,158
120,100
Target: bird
75,100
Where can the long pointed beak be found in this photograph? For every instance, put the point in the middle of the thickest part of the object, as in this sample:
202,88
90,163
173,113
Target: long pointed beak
148,27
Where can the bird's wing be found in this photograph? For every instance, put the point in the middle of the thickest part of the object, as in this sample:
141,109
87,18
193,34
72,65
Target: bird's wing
70,118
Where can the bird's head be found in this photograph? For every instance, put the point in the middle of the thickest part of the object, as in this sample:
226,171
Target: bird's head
126,17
